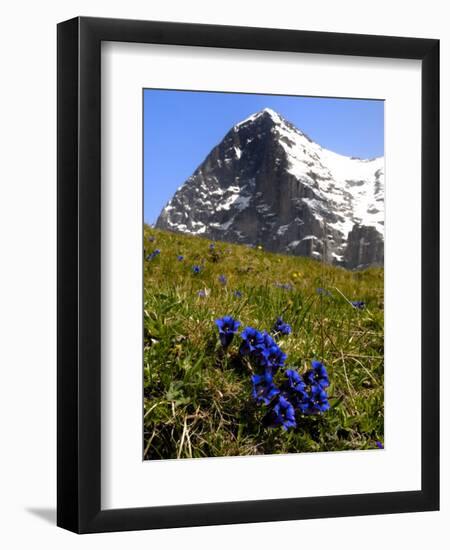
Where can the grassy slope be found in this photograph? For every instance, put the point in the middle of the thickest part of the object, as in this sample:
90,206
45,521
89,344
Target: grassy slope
198,401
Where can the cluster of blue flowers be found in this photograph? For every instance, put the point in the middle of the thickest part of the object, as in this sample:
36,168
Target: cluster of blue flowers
262,350
295,393
358,304
292,393
154,254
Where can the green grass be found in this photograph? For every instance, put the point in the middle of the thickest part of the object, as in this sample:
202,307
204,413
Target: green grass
197,399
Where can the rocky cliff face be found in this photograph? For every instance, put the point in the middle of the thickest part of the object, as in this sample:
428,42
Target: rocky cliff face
268,184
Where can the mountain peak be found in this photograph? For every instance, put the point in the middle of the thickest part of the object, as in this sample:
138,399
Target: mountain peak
263,113
269,112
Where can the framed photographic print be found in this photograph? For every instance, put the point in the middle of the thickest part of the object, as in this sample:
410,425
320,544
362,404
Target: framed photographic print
248,303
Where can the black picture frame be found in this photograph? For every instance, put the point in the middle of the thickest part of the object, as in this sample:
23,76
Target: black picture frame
79,280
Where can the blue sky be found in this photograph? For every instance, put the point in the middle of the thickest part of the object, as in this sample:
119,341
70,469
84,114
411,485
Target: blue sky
181,128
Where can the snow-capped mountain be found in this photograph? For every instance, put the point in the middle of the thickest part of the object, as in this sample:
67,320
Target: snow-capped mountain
267,183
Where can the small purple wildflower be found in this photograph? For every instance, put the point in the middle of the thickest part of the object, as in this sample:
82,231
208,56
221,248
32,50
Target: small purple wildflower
180,258
222,280
155,253
379,444
284,286
358,304
237,294
323,291
196,269
280,327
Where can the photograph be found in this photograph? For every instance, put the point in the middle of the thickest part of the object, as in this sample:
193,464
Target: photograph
263,274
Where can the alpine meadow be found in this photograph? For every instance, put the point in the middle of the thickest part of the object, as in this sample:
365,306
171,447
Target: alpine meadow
263,299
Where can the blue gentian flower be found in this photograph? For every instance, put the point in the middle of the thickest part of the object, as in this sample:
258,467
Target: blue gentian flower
228,327
294,382
305,405
201,293
280,327
284,286
237,294
196,269
264,390
272,357
267,341
180,258
379,444
251,340
222,280
212,246
317,375
282,414
315,401
323,291
153,254
358,304
294,389
318,400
